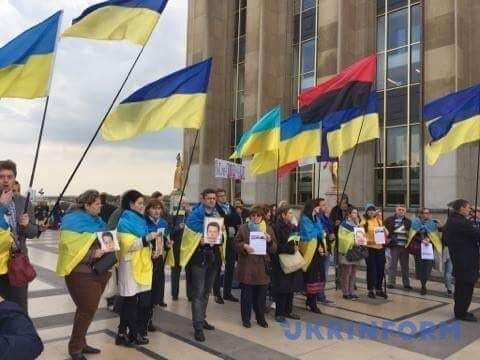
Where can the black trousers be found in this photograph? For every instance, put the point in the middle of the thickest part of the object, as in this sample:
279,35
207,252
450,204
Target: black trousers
253,297
135,314
283,304
158,281
463,296
423,269
230,258
375,269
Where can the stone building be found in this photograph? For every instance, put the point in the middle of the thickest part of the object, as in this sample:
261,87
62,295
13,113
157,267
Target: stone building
266,51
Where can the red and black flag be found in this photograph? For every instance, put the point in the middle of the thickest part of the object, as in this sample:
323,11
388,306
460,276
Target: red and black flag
349,89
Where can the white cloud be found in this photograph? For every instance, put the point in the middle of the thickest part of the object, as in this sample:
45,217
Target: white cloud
87,75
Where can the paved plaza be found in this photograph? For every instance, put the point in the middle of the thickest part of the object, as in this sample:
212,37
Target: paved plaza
406,326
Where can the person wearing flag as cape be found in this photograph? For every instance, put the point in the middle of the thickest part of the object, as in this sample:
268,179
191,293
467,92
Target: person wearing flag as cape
6,241
78,250
346,242
135,270
423,230
313,247
203,260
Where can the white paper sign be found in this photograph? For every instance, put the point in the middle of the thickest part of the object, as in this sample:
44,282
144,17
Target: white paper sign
379,235
221,169
229,170
258,242
360,238
427,252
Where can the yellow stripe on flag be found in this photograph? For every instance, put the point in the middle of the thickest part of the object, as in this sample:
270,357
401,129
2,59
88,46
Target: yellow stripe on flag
462,132
177,111
190,242
6,241
26,81
141,261
347,136
116,23
72,248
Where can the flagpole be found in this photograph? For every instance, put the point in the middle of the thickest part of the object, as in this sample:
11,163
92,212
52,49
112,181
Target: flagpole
277,177
59,198
44,116
476,187
37,151
186,179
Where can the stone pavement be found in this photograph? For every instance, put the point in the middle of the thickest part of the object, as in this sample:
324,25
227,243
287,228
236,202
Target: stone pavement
406,326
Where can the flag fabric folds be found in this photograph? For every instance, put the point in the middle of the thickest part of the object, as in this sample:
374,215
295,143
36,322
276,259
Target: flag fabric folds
132,20
349,89
452,121
177,100
26,61
297,141
6,242
77,234
343,105
346,128
264,135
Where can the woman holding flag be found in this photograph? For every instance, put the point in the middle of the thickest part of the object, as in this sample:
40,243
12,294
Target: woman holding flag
424,231
135,270
79,249
314,249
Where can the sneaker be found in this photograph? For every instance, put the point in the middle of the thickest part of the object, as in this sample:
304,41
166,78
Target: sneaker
347,297
293,316
354,297
467,317
390,286
199,335
381,293
219,300
247,324
371,295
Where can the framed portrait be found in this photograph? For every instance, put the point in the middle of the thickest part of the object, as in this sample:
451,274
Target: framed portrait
108,241
212,230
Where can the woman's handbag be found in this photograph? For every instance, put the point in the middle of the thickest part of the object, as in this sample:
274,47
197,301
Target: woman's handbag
20,271
105,263
356,253
291,262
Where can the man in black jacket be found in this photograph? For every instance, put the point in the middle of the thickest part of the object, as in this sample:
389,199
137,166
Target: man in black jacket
232,222
18,337
463,241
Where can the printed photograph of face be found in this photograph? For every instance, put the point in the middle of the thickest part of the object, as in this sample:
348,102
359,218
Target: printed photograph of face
108,241
213,230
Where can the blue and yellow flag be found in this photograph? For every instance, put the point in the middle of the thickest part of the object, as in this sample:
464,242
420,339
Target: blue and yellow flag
452,121
77,234
298,141
6,241
428,228
310,234
133,226
264,135
177,100
345,129
26,61
132,20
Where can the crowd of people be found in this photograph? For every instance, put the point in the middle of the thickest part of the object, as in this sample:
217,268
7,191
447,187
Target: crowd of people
300,247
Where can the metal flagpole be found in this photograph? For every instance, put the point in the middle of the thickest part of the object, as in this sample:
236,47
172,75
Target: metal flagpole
186,179
42,124
59,198
277,177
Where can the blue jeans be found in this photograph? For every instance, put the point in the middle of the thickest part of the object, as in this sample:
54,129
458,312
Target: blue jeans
447,274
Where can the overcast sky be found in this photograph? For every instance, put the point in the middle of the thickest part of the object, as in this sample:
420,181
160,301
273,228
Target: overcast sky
86,77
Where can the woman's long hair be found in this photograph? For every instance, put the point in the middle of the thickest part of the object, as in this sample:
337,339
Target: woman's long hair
308,208
129,197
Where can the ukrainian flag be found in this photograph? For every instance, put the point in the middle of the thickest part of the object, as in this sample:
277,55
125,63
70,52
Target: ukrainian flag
26,61
298,140
347,128
430,228
264,135
132,20
177,100
77,234
452,121
6,242
310,234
